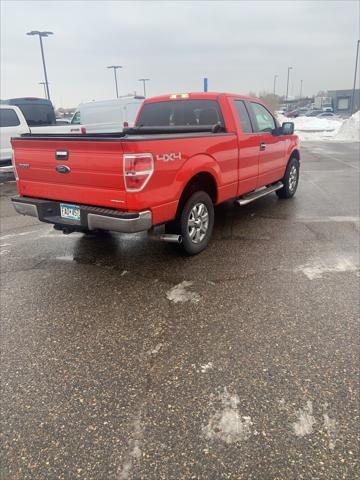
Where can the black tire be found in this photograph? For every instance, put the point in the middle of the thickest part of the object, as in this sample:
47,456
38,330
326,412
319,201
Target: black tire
289,188
203,230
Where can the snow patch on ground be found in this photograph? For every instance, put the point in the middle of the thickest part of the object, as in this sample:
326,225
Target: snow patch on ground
156,350
181,294
206,367
317,268
325,129
306,420
330,427
227,424
134,453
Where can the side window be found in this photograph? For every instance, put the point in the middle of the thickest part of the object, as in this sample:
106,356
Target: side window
243,116
265,120
8,118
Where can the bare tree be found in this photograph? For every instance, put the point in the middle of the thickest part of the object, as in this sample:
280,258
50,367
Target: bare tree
270,99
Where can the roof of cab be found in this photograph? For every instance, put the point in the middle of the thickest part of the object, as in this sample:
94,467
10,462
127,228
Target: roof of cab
194,96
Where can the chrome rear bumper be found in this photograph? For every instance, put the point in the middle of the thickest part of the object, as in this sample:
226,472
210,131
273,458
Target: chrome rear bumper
91,218
126,225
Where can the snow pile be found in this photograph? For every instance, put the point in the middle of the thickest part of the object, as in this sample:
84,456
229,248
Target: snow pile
350,129
325,129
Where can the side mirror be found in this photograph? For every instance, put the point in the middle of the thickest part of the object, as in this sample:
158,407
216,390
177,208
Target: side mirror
287,128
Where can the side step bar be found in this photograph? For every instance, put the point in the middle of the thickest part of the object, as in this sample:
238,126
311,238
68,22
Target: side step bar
259,193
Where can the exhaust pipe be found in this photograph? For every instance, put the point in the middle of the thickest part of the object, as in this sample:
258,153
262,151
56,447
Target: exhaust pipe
171,238
164,237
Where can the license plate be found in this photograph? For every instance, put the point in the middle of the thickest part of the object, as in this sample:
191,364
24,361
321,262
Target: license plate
70,211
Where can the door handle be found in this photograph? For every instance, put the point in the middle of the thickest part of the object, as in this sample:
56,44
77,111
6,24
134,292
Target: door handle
262,146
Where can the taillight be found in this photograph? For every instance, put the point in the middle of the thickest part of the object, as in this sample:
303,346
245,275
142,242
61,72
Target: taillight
14,165
125,124
83,130
138,168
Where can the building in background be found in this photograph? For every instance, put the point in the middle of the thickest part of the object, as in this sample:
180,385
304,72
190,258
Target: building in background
341,101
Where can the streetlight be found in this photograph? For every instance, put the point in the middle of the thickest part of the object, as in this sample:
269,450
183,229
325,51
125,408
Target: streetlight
44,84
275,77
301,82
41,35
287,84
115,67
143,80
353,92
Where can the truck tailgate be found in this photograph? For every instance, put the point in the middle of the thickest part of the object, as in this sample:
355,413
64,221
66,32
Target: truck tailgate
78,171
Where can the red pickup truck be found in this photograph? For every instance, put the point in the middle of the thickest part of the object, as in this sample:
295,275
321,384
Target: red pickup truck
186,153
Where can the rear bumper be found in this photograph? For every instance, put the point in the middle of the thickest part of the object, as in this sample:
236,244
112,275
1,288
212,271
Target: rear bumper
91,218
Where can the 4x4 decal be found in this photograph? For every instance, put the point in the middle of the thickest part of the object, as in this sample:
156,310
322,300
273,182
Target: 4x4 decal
169,157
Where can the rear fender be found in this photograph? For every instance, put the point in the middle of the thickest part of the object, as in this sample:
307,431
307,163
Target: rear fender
193,166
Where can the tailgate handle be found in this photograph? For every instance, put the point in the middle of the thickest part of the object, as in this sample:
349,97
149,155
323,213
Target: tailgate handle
62,155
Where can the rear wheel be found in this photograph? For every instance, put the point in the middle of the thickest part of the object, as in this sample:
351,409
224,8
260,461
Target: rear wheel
195,223
290,180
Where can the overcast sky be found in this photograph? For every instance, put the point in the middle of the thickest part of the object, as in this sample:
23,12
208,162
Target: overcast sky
238,45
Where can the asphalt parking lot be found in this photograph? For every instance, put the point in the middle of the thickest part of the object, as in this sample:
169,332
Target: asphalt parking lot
121,359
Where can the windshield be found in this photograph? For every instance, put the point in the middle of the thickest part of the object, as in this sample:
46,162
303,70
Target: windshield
180,113
76,119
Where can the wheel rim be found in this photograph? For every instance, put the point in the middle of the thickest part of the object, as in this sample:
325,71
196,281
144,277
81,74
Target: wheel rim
293,178
198,222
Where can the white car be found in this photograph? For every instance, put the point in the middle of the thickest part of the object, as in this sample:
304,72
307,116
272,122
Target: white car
327,114
13,124
107,116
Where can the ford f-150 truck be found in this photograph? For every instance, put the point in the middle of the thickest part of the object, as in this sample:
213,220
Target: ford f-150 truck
185,154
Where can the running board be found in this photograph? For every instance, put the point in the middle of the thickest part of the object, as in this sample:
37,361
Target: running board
259,193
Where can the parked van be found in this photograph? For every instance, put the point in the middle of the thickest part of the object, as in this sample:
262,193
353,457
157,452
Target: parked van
108,115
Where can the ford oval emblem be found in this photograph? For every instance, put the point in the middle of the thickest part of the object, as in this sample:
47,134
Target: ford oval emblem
63,169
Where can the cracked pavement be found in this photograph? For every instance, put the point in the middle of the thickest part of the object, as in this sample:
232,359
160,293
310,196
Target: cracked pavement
121,359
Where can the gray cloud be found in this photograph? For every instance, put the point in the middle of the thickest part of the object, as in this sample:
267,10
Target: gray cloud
239,45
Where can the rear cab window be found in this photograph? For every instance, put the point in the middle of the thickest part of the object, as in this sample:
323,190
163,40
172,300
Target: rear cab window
37,114
181,113
8,118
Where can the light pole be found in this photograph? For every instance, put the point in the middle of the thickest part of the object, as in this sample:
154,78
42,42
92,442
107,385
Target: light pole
41,35
287,84
144,80
301,82
115,67
275,77
44,84
354,87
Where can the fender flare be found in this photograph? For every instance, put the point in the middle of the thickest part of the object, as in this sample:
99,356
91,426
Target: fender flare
196,164
293,148
294,152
